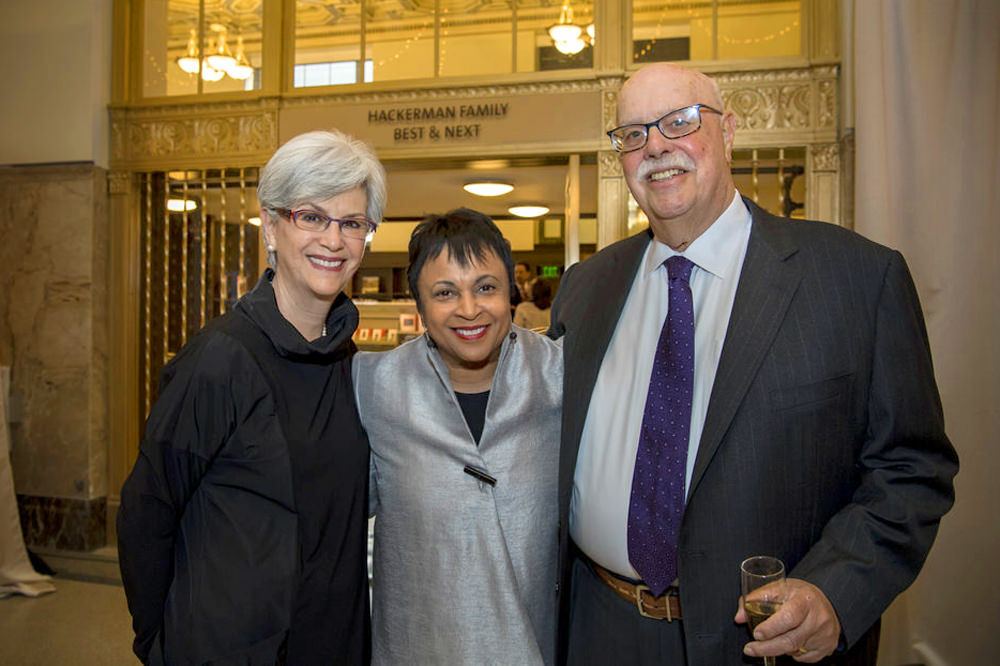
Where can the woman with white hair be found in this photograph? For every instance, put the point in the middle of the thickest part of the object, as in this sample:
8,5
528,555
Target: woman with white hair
242,527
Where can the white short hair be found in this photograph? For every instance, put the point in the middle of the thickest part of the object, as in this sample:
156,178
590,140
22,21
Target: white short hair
319,165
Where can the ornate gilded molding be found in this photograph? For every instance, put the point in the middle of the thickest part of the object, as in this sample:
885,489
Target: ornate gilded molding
770,107
608,164
433,94
826,99
825,156
609,109
782,99
169,135
765,76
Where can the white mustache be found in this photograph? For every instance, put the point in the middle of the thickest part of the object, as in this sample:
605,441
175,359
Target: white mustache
675,160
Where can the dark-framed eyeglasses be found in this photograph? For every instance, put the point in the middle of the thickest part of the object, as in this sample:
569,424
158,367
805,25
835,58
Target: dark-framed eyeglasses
674,125
311,220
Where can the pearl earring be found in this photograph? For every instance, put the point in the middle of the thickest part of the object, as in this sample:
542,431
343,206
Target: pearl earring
270,248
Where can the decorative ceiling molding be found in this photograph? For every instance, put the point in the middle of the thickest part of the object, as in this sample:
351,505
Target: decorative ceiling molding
433,94
194,134
790,106
782,99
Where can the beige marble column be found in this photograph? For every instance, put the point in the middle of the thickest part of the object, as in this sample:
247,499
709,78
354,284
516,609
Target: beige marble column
53,275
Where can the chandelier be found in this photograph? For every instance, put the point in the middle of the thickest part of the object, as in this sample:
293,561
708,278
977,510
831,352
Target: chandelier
568,37
220,61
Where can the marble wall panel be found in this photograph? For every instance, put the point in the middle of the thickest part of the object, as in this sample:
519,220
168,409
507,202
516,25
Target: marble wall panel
67,524
53,334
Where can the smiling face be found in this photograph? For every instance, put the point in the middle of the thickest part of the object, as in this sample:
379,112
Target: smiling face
466,310
314,267
682,184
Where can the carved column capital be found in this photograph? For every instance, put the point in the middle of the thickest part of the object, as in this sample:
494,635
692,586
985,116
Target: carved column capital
119,182
609,165
825,156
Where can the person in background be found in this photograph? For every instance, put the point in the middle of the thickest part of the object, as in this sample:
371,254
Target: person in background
523,280
242,531
534,314
737,385
464,431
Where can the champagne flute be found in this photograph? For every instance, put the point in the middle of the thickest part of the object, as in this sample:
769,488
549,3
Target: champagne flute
762,582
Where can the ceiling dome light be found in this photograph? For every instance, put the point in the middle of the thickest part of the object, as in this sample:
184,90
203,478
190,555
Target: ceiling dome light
189,61
209,73
221,59
567,36
528,211
570,46
180,205
492,188
241,69
564,32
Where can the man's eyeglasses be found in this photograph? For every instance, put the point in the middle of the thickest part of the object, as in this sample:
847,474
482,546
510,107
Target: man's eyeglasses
674,125
310,220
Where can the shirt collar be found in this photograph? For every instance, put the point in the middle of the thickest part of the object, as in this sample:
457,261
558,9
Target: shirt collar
715,249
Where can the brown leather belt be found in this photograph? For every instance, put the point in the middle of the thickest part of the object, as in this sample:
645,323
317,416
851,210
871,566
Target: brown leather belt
664,607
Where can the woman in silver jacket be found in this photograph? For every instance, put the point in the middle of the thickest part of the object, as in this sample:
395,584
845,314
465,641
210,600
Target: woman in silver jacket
464,430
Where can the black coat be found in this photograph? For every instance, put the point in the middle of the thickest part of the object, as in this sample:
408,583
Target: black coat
242,529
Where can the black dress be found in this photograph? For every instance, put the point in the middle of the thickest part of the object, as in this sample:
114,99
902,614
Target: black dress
242,529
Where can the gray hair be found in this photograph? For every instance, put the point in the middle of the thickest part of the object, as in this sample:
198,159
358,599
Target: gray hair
317,166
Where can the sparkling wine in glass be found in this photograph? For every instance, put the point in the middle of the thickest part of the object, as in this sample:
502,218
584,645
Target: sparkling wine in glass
762,582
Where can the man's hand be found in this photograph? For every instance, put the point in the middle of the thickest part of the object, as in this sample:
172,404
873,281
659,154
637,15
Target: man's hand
806,627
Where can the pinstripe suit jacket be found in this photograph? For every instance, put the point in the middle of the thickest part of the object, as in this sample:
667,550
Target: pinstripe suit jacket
824,441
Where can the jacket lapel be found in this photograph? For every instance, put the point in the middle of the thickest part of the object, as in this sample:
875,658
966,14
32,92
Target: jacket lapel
768,281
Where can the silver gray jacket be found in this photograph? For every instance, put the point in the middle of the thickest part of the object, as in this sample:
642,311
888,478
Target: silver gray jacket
464,571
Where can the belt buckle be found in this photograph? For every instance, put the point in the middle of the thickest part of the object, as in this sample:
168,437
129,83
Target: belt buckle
638,604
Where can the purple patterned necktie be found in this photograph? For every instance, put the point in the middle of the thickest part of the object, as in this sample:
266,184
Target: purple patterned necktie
657,502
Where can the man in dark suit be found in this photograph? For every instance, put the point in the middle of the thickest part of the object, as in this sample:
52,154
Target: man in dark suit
736,385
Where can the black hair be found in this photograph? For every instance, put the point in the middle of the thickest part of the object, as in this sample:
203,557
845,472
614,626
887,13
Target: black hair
469,236
525,264
541,294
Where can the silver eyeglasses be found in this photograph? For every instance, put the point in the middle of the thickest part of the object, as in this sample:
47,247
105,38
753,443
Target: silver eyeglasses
674,125
310,220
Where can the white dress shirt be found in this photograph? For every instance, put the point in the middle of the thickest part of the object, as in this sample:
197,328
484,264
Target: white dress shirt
602,485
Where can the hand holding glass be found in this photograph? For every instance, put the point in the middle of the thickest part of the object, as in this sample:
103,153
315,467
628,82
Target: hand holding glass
762,583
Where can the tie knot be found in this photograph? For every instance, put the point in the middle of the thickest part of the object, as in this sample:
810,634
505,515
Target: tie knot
679,267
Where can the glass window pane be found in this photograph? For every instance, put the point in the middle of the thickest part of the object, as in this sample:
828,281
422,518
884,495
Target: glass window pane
400,40
686,30
475,42
174,42
326,32
232,32
536,48
759,29
671,31
170,32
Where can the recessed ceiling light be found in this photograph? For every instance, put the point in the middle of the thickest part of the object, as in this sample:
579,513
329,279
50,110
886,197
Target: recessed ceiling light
180,205
489,165
488,188
528,211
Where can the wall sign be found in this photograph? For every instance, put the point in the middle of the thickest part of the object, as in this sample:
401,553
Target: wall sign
448,122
